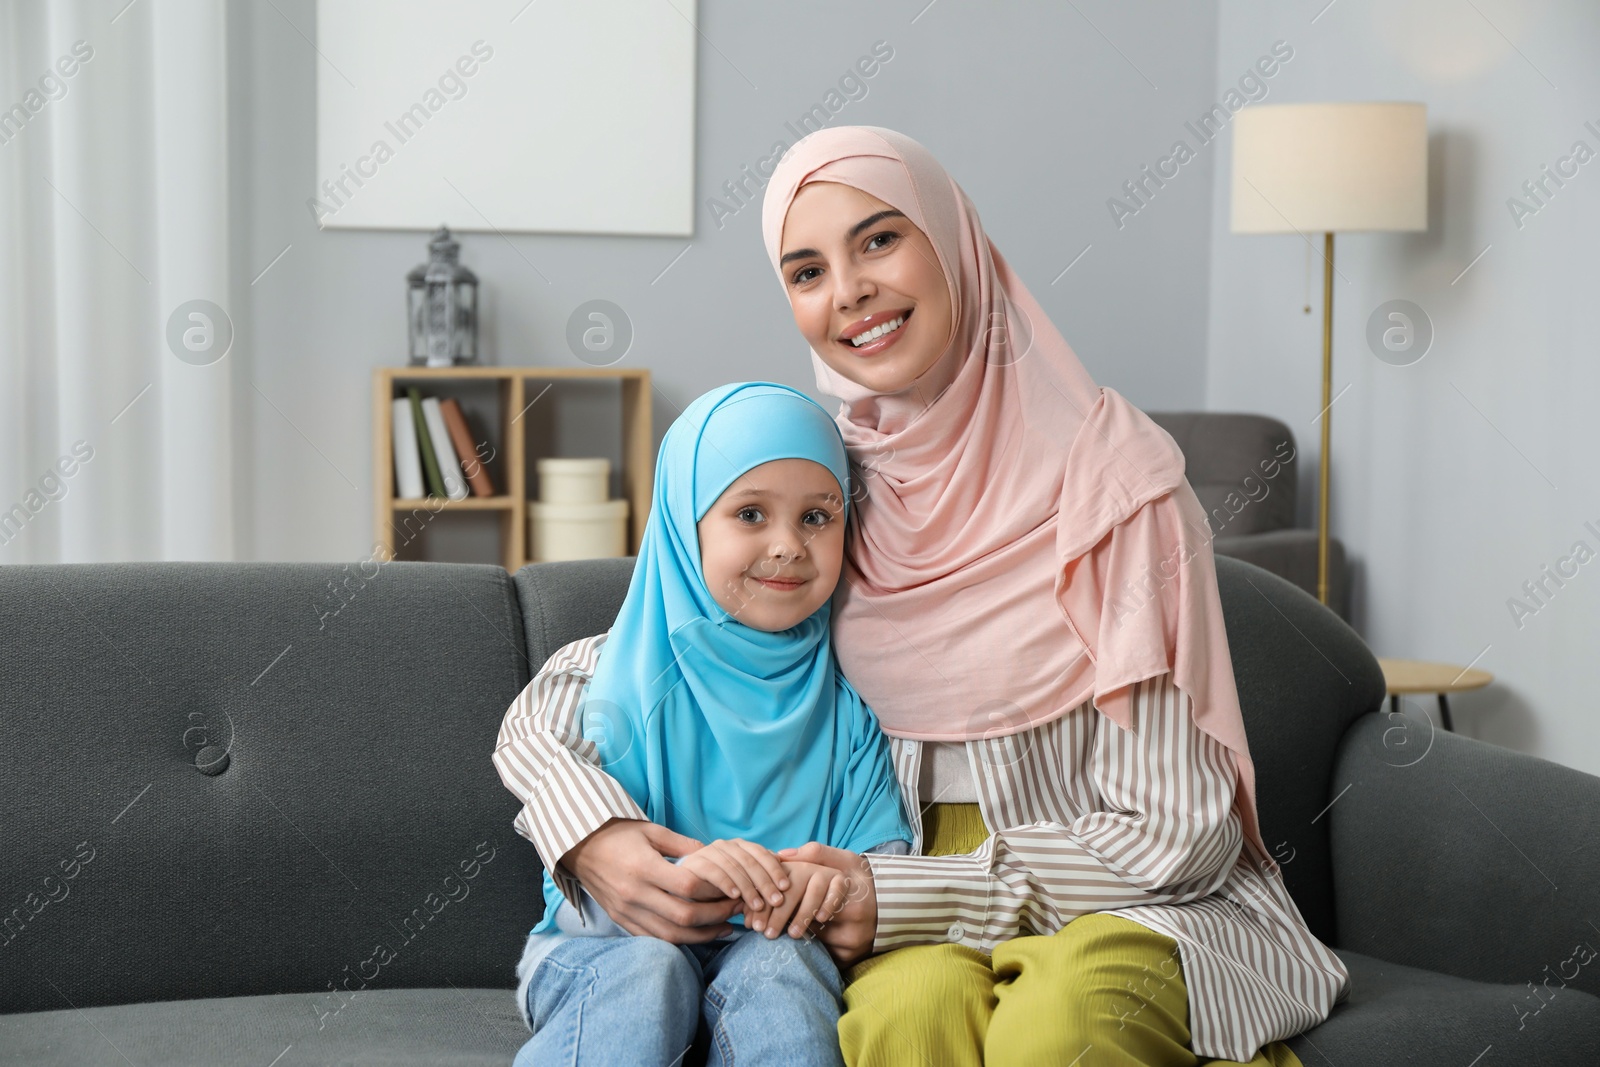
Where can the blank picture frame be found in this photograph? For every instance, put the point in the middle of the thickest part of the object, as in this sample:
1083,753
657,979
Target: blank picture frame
508,116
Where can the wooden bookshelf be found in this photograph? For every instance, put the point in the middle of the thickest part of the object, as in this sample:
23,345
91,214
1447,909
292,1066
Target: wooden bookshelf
517,389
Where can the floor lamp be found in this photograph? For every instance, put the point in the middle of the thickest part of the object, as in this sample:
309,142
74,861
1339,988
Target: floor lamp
1329,168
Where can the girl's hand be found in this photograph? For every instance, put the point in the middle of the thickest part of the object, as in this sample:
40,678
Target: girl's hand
741,869
623,866
817,893
849,933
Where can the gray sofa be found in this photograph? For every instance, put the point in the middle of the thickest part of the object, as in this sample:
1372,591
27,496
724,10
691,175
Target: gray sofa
251,819
1244,468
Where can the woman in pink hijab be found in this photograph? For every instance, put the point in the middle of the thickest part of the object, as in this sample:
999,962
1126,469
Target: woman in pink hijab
1030,606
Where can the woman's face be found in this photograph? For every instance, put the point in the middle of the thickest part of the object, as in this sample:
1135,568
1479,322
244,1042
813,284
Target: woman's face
851,263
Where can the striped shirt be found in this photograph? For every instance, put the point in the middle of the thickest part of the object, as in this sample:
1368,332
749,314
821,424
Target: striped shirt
1094,818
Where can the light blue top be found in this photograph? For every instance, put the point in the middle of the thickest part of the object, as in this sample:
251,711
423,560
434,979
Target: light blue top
715,728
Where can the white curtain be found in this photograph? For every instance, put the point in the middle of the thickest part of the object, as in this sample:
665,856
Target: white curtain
115,444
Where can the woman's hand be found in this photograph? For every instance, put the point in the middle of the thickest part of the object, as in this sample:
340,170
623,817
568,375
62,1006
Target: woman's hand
849,934
623,865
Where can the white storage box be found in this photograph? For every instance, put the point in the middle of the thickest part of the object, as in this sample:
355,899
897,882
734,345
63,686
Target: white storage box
577,531
574,481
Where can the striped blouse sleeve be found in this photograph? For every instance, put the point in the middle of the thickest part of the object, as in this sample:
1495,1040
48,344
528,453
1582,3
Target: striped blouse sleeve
543,758
1165,833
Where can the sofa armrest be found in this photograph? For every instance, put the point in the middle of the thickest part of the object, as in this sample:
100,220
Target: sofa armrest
1463,857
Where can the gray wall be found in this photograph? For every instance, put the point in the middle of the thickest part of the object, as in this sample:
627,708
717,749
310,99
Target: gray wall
1036,114
1458,478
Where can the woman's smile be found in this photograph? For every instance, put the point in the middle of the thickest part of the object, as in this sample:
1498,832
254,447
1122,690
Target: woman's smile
876,332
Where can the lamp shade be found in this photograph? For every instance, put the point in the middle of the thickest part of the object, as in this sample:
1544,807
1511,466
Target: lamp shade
1330,168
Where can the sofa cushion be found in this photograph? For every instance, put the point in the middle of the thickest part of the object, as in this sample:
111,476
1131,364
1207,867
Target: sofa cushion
445,1027
1398,1014
356,810
563,602
1394,1014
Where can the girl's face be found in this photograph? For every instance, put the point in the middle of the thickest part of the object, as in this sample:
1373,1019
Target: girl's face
852,263
772,544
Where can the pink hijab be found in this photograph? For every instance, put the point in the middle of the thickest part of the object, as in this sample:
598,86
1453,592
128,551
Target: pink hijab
1025,539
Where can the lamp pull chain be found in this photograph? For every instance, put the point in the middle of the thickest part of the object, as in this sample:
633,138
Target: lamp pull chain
1307,308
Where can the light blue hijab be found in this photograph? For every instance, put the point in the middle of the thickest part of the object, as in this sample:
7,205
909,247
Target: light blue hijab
715,728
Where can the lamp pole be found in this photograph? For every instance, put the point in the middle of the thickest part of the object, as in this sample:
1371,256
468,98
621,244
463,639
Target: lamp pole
1327,414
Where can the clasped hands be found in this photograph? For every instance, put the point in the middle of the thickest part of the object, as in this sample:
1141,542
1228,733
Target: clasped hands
624,866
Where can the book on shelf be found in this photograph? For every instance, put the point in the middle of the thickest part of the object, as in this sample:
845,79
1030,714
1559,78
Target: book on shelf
455,487
433,449
407,459
430,458
455,420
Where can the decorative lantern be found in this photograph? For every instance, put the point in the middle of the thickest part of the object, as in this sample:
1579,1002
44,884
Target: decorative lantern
442,306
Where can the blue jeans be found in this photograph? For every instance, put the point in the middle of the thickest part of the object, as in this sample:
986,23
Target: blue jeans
741,1000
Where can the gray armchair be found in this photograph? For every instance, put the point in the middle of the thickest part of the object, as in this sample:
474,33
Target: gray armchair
1244,470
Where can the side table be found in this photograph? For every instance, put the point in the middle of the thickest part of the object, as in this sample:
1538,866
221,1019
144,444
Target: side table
1405,676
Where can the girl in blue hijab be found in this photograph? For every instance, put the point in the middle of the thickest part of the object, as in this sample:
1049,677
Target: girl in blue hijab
717,705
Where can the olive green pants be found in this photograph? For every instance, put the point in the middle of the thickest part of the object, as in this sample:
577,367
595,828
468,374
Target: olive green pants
1103,991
